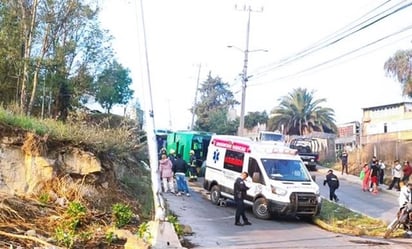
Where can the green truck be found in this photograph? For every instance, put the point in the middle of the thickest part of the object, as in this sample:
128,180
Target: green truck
182,142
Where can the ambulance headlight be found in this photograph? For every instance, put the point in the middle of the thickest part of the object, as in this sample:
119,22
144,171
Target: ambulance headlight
278,191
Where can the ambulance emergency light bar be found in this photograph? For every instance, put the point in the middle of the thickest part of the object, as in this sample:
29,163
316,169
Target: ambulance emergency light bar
257,147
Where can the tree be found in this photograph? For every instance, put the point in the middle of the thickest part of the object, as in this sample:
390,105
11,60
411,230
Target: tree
112,86
254,118
399,66
55,46
213,108
299,113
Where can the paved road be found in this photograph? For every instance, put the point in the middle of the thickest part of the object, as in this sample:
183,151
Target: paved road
213,225
383,206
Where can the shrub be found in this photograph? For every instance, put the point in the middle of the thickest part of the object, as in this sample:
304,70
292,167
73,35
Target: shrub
122,214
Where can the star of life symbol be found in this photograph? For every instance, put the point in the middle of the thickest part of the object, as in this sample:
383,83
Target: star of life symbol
216,154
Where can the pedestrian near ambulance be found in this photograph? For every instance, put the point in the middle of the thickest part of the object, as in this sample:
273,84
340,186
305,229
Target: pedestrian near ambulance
239,190
333,183
166,173
180,168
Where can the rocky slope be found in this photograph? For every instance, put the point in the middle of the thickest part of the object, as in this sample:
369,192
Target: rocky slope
40,178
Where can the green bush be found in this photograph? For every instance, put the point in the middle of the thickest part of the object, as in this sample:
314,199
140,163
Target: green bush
122,214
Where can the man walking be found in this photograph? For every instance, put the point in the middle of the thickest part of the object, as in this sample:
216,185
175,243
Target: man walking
344,159
179,169
240,189
333,183
396,176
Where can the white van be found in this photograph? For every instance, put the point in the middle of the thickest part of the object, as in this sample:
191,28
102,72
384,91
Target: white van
279,182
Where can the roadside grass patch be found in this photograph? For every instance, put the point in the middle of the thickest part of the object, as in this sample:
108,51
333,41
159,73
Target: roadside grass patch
119,138
339,219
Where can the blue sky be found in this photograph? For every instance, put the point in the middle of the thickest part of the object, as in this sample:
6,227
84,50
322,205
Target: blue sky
183,34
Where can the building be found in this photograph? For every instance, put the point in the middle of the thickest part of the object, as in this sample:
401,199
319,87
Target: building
348,136
387,130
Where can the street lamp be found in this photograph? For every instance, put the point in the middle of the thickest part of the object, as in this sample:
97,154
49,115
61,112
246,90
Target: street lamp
245,77
244,71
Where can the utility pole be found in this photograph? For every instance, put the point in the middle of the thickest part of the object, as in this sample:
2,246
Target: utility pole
194,102
244,71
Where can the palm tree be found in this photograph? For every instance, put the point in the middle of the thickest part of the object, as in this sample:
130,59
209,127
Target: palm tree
299,114
399,66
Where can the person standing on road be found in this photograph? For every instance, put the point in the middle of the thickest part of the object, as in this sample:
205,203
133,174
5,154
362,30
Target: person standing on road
240,189
192,166
407,171
180,168
374,164
382,167
166,174
374,175
396,176
366,177
344,159
333,183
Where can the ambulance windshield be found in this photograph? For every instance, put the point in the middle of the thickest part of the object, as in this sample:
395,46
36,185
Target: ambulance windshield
286,170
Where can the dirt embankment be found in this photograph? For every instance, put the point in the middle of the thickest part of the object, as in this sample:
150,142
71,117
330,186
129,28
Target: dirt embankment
55,193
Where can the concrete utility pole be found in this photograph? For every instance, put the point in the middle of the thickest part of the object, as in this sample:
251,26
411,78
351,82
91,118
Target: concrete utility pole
244,71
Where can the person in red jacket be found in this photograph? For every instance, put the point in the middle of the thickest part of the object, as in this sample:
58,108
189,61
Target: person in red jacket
407,171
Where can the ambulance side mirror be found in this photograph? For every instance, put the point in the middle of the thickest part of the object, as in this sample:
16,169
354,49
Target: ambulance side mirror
256,177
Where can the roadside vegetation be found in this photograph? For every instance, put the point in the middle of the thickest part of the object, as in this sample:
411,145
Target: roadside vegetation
69,211
339,219
104,131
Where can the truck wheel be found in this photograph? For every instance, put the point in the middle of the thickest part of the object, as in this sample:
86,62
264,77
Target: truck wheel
261,209
215,194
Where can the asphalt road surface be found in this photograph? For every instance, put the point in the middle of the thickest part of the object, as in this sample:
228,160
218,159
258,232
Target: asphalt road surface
383,206
213,226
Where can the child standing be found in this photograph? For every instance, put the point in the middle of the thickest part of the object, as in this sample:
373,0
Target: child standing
366,177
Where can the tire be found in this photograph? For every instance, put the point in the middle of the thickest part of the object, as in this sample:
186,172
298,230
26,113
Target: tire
215,194
392,227
261,209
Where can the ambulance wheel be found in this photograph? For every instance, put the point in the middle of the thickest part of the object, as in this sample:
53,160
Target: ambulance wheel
261,209
215,194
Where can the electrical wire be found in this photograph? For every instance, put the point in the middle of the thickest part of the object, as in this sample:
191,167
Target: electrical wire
318,46
340,57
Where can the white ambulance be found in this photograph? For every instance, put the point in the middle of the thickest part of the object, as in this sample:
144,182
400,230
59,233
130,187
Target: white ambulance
280,184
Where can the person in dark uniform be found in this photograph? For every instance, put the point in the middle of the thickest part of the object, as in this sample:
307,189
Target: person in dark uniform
240,189
333,183
344,159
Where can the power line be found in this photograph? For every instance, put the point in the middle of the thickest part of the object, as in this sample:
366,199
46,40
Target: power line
343,35
327,62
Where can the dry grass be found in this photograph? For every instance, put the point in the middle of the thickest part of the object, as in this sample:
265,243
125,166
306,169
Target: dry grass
47,213
105,132
339,219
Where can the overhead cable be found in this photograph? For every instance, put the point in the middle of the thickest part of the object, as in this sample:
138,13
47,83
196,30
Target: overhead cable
343,35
